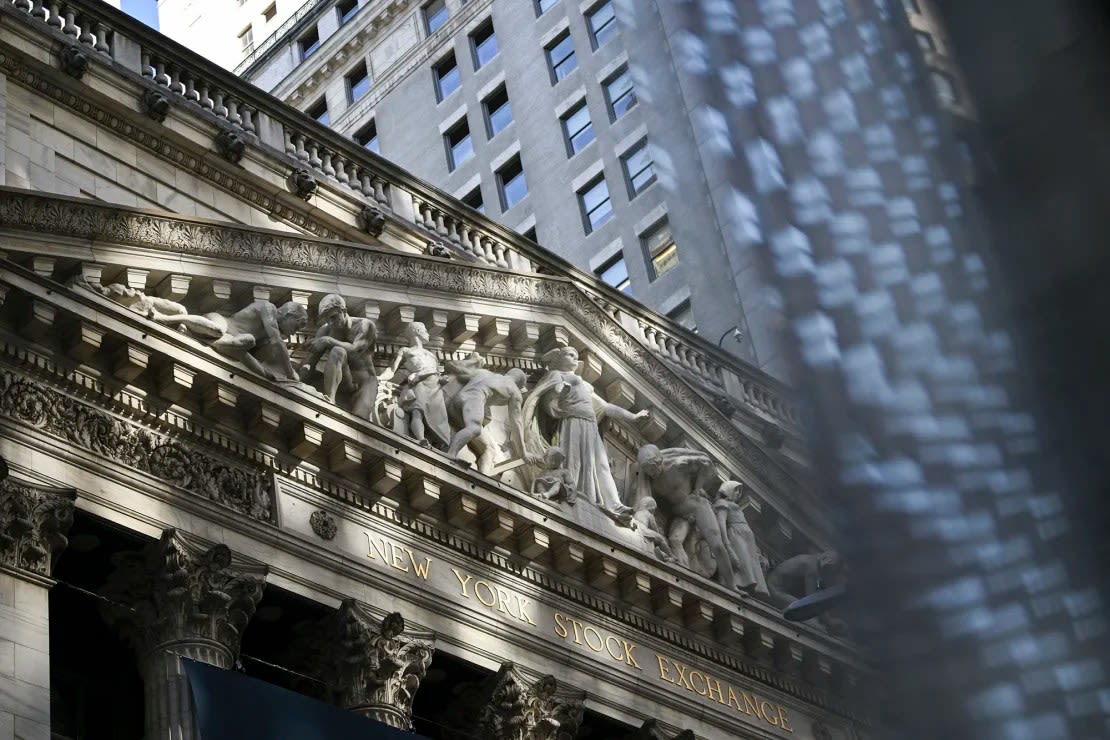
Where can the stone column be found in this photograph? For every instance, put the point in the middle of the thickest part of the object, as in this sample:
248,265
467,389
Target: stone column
33,525
180,597
520,710
368,666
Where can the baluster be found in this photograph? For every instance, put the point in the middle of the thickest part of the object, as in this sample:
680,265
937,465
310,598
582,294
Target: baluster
23,5
367,183
290,147
314,154
218,106
55,17
499,251
326,164
302,153
464,237
441,226
144,62
191,89
161,77
38,10
339,164
102,39
453,230
176,85
233,112
247,113
380,194
86,35
205,98
352,176
70,28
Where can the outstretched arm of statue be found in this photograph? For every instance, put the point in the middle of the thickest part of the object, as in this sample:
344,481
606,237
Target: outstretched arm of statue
392,369
315,351
620,414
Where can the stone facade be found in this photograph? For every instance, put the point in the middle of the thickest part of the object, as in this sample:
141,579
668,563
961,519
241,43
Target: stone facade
265,392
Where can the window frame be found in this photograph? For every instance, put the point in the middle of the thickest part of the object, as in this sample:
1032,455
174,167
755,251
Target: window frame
587,213
351,97
629,177
540,9
552,66
488,114
624,286
652,256
438,75
568,137
345,18
608,29
310,49
475,193
325,113
246,39
631,92
502,192
365,142
453,161
443,16
684,306
475,45
270,12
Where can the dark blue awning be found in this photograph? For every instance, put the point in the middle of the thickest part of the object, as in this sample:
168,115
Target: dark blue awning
232,706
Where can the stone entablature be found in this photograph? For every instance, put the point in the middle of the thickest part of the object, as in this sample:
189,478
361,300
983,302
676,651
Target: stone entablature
207,106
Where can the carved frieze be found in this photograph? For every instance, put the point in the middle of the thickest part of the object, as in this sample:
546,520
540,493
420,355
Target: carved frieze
245,491
33,525
368,665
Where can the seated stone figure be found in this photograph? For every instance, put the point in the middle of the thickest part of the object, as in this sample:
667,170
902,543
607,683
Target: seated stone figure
644,522
803,575
347,344
259,329
556,483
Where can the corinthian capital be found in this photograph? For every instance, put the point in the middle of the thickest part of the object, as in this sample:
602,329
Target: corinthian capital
520,710
651,730
182,590
33,525
367,664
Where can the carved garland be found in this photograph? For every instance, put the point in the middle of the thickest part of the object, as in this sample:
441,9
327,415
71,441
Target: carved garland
165,234
247,492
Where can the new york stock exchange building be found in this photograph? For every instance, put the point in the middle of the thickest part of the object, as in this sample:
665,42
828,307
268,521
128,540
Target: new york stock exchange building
299,447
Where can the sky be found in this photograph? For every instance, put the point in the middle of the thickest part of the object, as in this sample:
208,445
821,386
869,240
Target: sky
143,10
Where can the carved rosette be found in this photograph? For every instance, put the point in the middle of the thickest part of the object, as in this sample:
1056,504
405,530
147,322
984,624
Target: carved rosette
367,665
33,526
518,710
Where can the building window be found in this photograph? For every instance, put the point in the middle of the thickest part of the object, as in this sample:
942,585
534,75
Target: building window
459,146
499,113
484,43
603,23
367,136
660,248
638,171
269,13
615,273
346,10
435,15
319,111
246,39
530,235
560,57
595,204
358,83
474,200
683,315
542,6
511,183
309,43
619,93
577,128
447,76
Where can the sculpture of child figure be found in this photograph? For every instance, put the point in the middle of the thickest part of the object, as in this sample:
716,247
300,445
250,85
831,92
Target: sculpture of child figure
644,522
556,484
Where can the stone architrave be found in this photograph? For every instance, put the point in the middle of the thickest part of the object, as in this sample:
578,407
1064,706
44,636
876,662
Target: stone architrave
33,526
519,710
180,597
367,665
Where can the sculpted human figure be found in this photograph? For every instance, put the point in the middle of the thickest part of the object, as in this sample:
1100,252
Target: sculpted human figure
150,306
556,483
681,479
644,522
259,330
739,539
419,395
803,575
564,406
347,344
468,408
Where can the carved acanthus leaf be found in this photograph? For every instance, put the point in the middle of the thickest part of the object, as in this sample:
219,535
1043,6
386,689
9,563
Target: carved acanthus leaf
248,492
518,710
179,589
33,525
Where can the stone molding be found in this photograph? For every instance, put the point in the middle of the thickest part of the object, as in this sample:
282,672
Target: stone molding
179,589
76,219
33,526
366,663
249,492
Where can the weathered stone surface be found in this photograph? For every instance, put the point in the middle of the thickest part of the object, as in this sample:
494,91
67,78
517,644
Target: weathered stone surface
520,710
33,525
